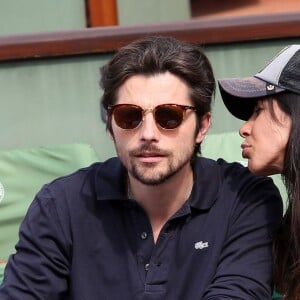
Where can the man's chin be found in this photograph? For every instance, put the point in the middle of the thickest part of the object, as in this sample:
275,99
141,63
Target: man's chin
153,179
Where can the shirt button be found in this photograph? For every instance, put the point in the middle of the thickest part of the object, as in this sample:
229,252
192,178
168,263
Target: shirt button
144,235
147,267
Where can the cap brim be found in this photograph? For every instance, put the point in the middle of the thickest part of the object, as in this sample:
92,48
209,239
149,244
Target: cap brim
240,94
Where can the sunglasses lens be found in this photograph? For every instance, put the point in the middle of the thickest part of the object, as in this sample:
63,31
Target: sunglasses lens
127,116
169,116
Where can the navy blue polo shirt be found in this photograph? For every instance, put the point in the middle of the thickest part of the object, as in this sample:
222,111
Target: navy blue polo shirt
83,239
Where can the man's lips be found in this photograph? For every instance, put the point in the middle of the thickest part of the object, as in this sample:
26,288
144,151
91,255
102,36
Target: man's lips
146,156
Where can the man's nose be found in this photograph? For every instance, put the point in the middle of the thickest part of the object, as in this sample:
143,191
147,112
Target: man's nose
149,129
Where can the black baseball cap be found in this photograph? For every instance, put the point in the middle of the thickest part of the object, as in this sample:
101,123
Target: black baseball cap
281,74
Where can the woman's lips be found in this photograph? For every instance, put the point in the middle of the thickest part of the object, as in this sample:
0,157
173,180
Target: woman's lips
245,150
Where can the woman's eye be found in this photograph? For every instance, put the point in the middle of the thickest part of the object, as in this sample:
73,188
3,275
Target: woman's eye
257,110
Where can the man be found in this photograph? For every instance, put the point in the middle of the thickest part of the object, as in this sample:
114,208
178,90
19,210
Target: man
157,222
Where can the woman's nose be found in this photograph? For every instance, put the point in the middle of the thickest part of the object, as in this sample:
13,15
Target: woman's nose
245,129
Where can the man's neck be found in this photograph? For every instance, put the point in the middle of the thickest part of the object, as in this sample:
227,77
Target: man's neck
162,201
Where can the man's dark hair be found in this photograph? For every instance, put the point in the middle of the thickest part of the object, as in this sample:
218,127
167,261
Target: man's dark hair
157,55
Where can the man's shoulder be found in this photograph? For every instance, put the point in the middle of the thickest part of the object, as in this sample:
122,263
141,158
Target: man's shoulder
79,190
234,174
85,178
236,186
92,170
223,167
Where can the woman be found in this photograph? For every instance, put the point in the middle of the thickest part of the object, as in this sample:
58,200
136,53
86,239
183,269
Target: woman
269,102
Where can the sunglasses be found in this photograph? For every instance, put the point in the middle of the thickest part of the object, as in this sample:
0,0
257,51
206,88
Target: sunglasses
167,116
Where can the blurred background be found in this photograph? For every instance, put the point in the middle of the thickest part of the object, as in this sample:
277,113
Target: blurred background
51,52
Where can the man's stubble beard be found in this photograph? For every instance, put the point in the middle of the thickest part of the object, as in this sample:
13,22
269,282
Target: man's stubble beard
157,177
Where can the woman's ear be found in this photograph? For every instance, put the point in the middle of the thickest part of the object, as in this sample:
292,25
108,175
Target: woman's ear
204,126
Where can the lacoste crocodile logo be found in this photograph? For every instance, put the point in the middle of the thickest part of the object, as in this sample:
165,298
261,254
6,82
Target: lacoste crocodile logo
201,245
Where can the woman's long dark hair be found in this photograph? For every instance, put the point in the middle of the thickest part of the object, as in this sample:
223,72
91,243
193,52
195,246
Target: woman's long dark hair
287,241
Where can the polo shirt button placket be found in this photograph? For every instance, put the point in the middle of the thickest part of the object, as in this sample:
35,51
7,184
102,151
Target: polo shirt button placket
147,267
144,235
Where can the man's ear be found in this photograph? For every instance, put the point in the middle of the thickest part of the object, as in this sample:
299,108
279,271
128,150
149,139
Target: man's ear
204,126
111,134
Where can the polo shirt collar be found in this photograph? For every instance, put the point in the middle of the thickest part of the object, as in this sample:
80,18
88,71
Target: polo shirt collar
110,182
206,184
